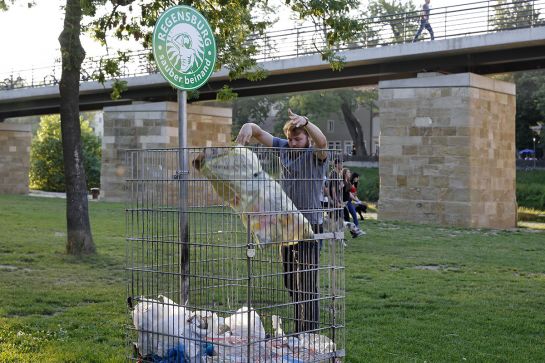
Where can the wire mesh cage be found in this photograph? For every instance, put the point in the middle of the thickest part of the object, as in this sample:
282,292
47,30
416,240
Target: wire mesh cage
232,257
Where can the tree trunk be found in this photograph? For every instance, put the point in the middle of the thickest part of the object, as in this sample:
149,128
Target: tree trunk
79,237
355,130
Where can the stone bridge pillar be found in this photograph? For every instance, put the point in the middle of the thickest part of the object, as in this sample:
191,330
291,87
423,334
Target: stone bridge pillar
150,126
14,158
447,151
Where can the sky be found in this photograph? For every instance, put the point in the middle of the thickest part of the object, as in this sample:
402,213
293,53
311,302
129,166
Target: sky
29,36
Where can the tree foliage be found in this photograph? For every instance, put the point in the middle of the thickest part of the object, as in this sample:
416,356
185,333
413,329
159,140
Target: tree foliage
400,18
530,105
340,101
233,23
257,109
46,156
512,14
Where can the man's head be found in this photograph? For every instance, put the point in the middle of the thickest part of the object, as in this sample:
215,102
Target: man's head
338,164
297,136
427,1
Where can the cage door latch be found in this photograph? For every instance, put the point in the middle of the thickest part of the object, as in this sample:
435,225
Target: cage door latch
250,252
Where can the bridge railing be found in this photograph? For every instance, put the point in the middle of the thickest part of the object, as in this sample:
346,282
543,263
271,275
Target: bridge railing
480,17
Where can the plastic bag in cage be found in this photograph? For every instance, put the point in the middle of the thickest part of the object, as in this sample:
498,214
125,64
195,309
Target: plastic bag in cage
316,343
239,324
237,176
162,329
235,349
207,322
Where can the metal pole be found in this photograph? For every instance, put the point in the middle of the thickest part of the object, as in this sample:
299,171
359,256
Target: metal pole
404,27
488,17
182,202
297,43
535,156
250,253
532,19
446,12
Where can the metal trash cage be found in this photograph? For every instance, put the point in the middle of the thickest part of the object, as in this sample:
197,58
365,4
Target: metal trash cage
223,266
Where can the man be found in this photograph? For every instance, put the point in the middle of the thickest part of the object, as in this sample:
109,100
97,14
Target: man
424,21
304,164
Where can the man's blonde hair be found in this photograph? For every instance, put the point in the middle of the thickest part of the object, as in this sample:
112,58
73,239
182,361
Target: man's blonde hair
291,128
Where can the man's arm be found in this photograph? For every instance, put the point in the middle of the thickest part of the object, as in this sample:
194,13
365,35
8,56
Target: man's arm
251,130
320,141
314,132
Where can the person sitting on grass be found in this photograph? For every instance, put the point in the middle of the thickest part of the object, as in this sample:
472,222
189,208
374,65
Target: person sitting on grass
348,206
360,206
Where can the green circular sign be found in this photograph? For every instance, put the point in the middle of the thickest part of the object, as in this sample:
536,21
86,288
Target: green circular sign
184,47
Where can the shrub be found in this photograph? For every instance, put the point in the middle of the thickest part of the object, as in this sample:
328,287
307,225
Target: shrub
531,195
46,156
531,189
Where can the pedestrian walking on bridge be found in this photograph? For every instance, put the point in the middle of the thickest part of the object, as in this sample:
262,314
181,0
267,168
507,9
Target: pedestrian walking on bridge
424,21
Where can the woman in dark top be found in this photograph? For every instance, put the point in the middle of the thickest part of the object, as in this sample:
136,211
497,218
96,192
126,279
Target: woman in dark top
360,206
347,199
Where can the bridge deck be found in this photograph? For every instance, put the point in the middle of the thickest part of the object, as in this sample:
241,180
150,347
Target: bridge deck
506,51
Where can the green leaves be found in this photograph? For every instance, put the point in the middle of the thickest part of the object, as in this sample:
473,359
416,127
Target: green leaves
400,18
234,23
47,164
514,14
226,94
332,18
118,88
530,105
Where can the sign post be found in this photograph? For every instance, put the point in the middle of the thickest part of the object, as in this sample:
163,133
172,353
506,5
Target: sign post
184,50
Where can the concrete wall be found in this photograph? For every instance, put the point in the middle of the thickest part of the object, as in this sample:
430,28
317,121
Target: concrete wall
447,151
14,158
154,125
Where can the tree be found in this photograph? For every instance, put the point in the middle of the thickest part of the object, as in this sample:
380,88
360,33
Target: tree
257,109
512,14
233,23
331,17
79,236
46,156
346,101
541,139
401,18
530,105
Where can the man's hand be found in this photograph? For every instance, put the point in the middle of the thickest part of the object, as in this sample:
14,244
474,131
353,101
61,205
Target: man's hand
244,135
296,120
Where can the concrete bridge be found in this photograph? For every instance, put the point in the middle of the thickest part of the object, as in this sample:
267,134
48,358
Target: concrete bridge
506,51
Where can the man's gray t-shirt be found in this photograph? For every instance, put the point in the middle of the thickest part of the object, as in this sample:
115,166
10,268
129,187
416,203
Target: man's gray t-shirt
302,178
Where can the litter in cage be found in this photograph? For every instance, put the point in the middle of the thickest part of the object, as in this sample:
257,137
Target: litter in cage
232,258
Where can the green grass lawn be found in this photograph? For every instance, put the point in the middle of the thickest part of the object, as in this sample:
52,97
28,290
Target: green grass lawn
414,293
